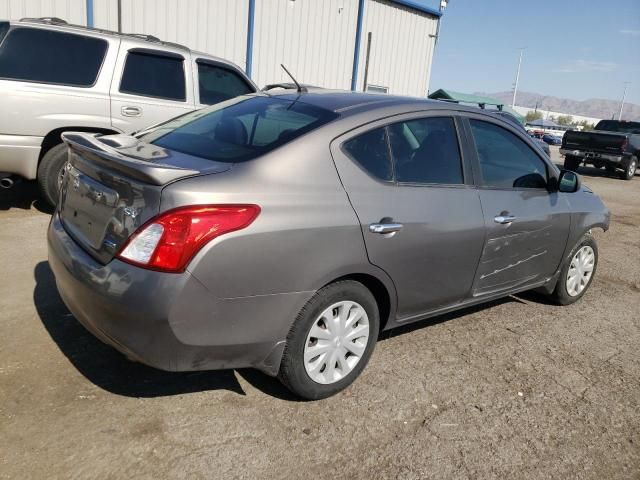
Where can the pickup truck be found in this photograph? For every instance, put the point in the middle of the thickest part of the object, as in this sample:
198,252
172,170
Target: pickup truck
612,144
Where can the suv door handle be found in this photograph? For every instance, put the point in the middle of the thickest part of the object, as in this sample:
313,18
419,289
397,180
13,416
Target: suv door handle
131,111
504,218
385,227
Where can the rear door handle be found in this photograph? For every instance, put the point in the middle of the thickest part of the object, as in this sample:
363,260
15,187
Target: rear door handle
385,227
131,111
504,219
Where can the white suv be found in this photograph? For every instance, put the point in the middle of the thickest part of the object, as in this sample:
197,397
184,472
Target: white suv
56,77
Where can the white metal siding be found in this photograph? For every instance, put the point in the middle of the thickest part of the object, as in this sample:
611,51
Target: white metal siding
217,27
401,48
313,39
73,11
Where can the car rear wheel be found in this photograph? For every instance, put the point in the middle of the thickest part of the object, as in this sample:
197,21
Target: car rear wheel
571,162
630,169
577,272
331,341
50,172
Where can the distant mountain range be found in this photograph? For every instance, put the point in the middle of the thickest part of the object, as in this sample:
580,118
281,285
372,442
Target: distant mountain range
594,107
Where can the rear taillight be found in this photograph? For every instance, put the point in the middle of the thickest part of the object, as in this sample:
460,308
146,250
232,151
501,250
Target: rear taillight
625,144
169,241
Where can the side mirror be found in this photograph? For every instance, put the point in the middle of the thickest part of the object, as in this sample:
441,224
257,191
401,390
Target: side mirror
569,182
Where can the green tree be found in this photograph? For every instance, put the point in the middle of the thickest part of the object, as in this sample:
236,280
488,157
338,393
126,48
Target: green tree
532,115
565,120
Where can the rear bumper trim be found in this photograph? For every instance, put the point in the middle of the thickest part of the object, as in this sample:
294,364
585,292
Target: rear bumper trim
588,155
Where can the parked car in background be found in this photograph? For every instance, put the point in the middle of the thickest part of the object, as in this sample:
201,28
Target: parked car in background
284,232
513,120
551,139
56,77
612,144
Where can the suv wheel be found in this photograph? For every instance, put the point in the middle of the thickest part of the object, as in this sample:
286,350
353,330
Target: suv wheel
50,172
571,162
630,169
331,341
577,272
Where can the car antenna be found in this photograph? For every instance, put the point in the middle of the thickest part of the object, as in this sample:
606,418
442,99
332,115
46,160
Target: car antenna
299,87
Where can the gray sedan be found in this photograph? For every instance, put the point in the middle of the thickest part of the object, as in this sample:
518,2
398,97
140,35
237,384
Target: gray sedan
284,232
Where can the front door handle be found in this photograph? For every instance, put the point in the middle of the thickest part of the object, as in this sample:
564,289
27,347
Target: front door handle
504,219
131,111
385,227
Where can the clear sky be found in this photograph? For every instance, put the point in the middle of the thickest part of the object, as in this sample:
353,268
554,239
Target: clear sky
576,49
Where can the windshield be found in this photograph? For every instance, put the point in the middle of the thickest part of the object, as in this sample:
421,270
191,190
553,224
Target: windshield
240,129
617,126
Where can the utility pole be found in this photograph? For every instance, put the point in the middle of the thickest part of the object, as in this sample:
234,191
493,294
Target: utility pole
624,95
515,86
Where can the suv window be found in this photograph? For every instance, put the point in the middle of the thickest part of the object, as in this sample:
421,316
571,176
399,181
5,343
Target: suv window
218,83
505,160
371,151
38,55
4,28
239,129
155,75
426,151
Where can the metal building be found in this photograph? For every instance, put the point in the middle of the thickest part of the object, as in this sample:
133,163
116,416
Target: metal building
341,44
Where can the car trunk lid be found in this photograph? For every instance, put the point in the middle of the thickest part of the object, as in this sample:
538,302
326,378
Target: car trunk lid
113,184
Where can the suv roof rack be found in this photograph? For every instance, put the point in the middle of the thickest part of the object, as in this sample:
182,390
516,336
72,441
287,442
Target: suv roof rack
60,22
46,20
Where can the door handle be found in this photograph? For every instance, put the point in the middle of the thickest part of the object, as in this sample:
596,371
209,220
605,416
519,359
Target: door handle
385,227
504,218
131,111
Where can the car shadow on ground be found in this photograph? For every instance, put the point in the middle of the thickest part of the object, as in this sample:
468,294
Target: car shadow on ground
594,172
25,196
106,367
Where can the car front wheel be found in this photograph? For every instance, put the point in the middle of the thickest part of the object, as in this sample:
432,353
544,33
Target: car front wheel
577,272
331,341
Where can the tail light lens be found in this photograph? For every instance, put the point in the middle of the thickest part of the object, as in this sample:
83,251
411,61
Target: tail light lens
169,241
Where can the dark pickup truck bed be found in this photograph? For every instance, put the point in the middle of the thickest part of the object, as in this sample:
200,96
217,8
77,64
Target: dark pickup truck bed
614,145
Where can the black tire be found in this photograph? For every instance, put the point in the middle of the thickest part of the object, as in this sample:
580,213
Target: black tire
49,172
630,169
560,294
292,370
571,162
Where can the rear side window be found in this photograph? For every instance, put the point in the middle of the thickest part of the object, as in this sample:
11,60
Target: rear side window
46,56
154,75
217,84
505,160
239,129
371,151
426,151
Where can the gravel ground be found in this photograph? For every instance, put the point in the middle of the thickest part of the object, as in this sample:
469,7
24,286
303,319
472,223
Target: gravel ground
514,389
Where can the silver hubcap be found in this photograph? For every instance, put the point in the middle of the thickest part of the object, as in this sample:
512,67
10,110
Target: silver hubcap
632,168
580,270
336,342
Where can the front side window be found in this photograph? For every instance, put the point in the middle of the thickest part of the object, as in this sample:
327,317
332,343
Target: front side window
217,84
239,129
371,151
505,160
154,75
426,151
46,56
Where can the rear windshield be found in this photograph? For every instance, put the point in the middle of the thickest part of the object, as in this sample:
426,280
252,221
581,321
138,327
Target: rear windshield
47,56
615,126
239,129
